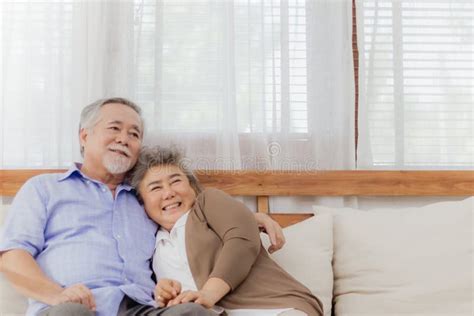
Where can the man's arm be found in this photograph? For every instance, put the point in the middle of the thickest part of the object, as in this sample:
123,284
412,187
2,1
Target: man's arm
21,269
22,239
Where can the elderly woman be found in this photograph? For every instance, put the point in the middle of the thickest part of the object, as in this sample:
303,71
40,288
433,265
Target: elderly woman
209,246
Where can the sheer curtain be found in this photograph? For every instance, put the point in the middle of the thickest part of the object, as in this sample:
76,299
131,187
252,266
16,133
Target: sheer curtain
249,84
416,84
260,84
56,57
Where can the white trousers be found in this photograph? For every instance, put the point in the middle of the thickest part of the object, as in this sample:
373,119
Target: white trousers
293,312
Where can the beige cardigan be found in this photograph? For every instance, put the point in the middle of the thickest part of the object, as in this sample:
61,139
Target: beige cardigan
223,241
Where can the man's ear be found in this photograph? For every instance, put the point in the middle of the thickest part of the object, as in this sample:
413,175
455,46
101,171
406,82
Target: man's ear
83,133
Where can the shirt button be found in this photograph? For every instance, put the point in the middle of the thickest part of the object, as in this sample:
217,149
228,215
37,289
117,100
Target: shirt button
103,189
118,236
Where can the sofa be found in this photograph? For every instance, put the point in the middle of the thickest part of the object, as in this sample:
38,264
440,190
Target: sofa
397,261
410,260
415,261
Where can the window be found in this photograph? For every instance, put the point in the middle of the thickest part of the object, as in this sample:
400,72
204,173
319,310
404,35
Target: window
196,67
203,62
417,79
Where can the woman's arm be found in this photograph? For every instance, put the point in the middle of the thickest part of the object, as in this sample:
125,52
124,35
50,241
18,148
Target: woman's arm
237,228
273,230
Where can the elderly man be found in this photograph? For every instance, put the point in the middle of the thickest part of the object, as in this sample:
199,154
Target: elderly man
79,243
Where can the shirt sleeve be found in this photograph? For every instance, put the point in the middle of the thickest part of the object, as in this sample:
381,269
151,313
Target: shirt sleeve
26,219
236,226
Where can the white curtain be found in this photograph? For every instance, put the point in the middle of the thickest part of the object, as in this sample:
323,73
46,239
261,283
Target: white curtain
254,84
56,57
416,87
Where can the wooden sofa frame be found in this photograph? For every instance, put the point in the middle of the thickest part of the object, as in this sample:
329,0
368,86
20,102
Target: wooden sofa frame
264,184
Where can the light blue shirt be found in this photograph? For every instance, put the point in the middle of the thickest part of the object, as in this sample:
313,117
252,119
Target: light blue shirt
78,233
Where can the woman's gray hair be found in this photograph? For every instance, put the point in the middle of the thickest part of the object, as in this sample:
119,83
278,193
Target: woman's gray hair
90,114
156,156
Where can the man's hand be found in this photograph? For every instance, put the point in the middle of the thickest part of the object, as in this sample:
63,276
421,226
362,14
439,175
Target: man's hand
273,229
166,290
77,293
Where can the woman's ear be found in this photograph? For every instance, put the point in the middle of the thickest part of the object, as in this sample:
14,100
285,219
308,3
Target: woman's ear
138,195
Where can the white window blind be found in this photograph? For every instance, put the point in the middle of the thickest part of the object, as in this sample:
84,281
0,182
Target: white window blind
416,83
208,63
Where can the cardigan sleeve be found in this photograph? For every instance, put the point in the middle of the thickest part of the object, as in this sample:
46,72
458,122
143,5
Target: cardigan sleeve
237,228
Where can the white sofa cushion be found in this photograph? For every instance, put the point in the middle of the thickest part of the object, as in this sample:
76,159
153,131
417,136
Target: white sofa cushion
412,261
307,256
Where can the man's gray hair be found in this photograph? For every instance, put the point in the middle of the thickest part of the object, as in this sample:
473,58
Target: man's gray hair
90,114
156,156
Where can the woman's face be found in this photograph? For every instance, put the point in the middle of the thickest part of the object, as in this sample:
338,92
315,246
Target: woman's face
166,194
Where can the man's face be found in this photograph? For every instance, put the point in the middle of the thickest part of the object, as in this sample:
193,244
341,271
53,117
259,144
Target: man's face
114,142
166,194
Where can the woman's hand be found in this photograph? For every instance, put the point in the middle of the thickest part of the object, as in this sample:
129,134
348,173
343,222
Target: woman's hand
166,290
202,297
213,290
273,229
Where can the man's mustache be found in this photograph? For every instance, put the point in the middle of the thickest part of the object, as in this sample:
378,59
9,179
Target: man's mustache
120,148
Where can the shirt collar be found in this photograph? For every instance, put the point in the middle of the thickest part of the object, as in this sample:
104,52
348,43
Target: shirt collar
164,234
181,221
75,169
